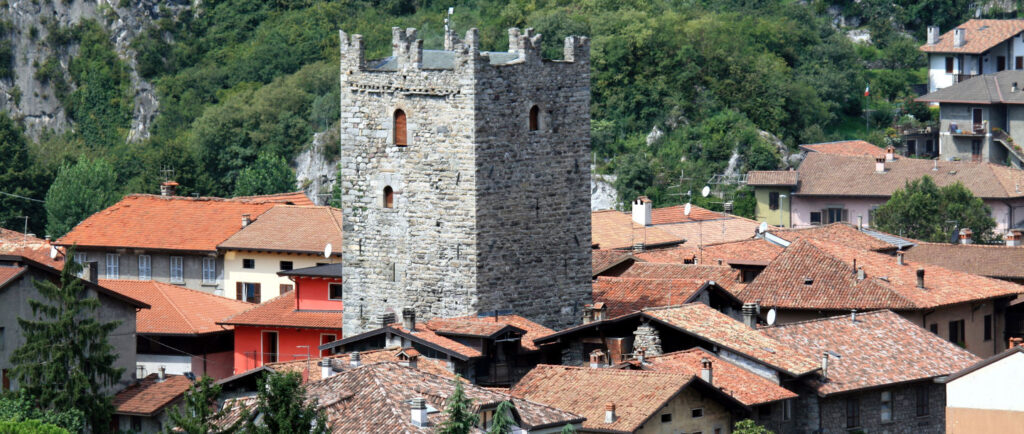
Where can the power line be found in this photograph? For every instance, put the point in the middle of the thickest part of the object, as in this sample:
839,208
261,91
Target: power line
22,197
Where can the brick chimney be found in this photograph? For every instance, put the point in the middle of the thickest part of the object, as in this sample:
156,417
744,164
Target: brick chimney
959,37
609,412
409,318
642,211
920,277
353,359
1013,239
901,258
750,315
880,165
706,372
596,359
965,236
418,405
933,35
168,188
890,153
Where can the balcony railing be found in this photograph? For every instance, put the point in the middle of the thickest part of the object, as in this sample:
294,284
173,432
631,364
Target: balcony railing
962,77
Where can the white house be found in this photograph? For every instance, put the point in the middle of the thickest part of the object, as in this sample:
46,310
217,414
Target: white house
973,48
989,396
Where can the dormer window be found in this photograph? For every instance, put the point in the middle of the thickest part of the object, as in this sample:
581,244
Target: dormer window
400,134
534,118
389,197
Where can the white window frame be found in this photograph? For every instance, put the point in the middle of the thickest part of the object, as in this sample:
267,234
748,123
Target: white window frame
180,277
209,270
81,258
112,266
145,267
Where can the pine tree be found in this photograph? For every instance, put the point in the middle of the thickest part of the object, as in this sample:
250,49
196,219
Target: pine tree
66,360
502,422
199,411
458,409
568,429
281,401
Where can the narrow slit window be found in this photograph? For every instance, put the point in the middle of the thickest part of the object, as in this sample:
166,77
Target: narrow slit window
400,130
389,197
534,118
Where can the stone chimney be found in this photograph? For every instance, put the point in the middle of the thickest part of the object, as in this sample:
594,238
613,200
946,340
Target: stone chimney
609,412
168,188
900,258
246,219
91,271
920,278
750,315
409,318
965,236
353,359
706,372
958,37
933,35
418,405
161,374
890,153
642,211
880,165
1013,239
647,337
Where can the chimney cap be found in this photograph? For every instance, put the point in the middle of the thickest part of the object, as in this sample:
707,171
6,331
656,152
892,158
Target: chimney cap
643,199
609,406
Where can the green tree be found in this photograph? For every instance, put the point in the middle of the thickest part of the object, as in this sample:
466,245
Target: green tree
282,403
268,175
16,178
199,411
926,212
66,359
458,410
568,429
30,427
16,407
747,426
502,422
79,191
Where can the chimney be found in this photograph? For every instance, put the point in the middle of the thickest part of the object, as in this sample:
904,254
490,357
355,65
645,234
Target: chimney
609,412
750,315
325,368
168,188
161,374
1013,239
1013,87
140,371
91,271
958,38
920,277
880,165
933,35
1015,342
860,273
853,315
353,359
642,211
419,411
596,359
408,357
246,219
639,354
890,153
965,236
824,366
409,318
860,222
900,258
706,371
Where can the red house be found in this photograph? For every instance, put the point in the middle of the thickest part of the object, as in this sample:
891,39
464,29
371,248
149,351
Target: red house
291,326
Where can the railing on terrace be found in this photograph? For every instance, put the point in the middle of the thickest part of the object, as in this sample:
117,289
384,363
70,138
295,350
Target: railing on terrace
964,77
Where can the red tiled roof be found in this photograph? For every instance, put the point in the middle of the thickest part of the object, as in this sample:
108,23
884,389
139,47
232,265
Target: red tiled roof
722,275
311,371
834,284
487,325
627,295
842,233
612,229
602,260
280,311
880,348
769,178
166,223
745,386
175,310
302,229
846,147
752,251
293,198
979,36
36,249
713,231
9,273
677,214
149,396
987,260
427,334
701,320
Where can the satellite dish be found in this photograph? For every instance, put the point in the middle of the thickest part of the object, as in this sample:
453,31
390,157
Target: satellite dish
705,191
686,209
771,316
762,228
327,250
53,252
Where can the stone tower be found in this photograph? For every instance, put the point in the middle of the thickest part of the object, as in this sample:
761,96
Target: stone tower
465,179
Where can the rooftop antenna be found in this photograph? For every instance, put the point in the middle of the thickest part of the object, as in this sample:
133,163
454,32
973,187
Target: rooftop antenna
682,179
168,173
25,232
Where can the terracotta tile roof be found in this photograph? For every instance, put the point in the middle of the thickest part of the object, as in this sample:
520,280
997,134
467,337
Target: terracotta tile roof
166,223
602,260
626,295
842,233
377,395
477,324
293,198
834,284
612,229
769,178
425,364
713,231
745,386
722,275
979,36
149,396
36,249
753,251
701,320
280,311
839,175
987,260
846,147
677,214
425,333
9,273
175,310
294,229
880,348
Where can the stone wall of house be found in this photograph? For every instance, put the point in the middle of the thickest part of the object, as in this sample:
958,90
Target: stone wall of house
487,214
905,418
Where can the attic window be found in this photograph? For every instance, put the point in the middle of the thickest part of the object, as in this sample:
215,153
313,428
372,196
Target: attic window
808,281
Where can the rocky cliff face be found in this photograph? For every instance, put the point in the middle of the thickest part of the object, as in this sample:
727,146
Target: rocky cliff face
31,22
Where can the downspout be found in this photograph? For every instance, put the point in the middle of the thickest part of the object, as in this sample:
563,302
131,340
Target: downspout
924,319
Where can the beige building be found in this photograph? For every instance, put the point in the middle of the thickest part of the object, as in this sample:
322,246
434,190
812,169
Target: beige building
283,238
986,397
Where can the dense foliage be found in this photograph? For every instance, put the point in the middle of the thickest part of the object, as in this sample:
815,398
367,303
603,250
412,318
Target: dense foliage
16,407
282,407
458,411
269,174
79,191
30,427
927,212
199,411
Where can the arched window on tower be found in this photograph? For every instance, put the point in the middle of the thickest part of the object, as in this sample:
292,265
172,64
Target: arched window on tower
389,197
399,128
534,118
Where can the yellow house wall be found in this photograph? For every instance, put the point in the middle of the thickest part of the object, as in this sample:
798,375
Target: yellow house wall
974,325
779,217
715,416
265,272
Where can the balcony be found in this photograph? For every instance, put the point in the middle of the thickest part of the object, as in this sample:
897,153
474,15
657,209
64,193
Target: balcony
958,78
973,130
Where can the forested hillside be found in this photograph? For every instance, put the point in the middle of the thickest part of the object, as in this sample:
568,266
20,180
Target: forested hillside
679,87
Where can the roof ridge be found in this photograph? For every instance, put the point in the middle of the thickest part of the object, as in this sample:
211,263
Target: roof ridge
612,371
174,305
828,318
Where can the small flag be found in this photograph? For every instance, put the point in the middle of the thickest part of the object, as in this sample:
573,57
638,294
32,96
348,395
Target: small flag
867,90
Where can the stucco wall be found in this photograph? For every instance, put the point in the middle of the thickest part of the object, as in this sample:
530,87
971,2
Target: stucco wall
777,217
972,420
160,265
974,325
937,76
248,345
265,272
859,206
715,416
314,295
998,386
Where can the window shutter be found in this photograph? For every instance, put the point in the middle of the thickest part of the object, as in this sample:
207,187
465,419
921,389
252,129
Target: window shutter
285,288
400,132
238,291
824,217
257,291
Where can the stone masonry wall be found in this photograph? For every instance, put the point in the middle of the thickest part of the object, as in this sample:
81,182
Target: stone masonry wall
487,215
905,419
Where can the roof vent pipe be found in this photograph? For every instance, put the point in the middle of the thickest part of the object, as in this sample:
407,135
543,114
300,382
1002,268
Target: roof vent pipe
900,258
750,314
920,277
161,374
958,38
853,315
933,35
609,412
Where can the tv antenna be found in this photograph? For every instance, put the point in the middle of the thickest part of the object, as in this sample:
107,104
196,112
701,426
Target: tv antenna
168,173
682,180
